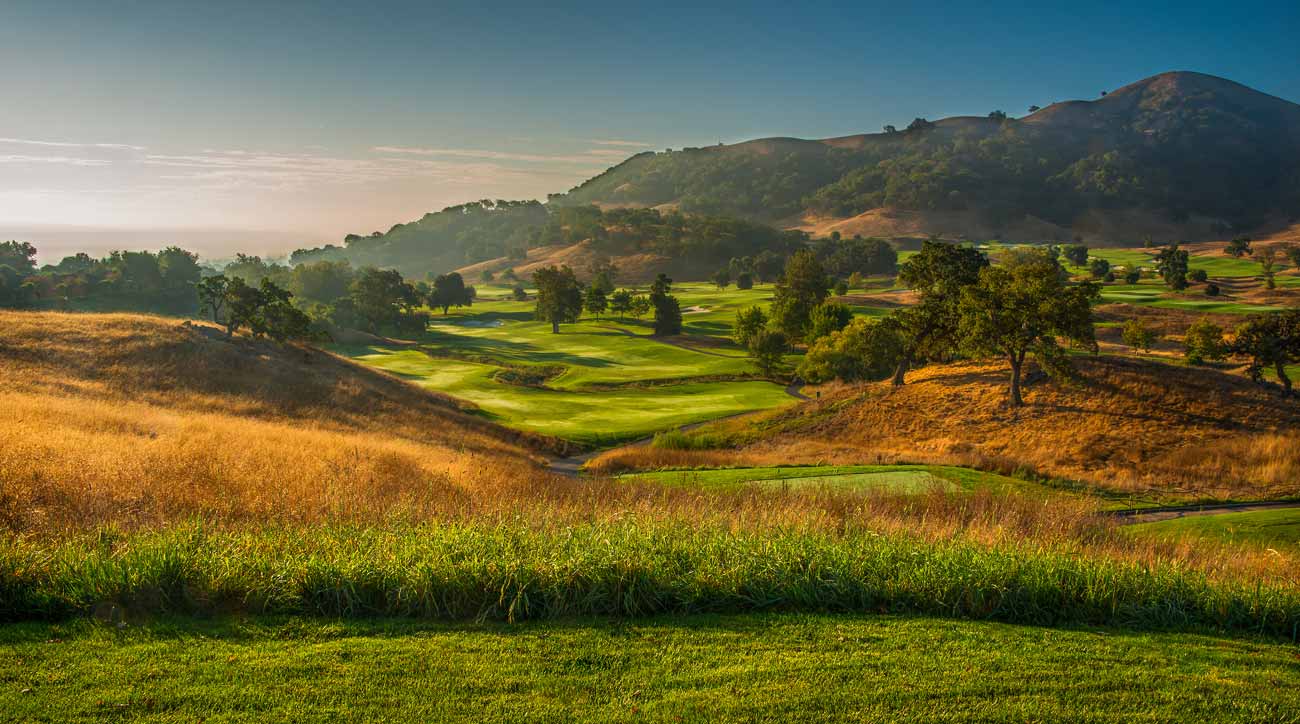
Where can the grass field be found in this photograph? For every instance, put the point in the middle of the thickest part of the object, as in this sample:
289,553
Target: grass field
1270,528
1153,293
795,668
890,478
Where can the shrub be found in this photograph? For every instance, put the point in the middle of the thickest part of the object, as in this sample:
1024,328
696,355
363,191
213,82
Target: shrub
1204,342
1133,276
864,350
826,318
1137,335
1198,275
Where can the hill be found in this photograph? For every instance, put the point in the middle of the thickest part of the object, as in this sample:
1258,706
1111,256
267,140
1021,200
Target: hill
138,418
1179,154
1126,425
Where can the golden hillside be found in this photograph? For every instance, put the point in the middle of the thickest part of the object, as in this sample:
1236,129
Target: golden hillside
1127,425
134,419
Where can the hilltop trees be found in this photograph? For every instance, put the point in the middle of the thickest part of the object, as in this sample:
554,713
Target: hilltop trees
800,289
929,329
1238,247
1020,309
559,297
19,256
1270,340
265,310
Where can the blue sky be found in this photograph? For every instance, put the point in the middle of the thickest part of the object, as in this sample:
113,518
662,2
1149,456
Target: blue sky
290,123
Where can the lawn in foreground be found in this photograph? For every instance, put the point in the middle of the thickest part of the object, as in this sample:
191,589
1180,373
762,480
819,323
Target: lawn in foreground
760,667
1271,528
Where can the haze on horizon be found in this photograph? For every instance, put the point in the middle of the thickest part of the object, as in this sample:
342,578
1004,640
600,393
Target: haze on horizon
238,126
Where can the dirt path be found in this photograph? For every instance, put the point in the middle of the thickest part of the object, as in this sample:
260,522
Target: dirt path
1151,515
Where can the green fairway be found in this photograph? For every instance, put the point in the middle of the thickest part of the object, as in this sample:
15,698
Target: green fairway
769,667
596,417
1270,528
1153,293
893,478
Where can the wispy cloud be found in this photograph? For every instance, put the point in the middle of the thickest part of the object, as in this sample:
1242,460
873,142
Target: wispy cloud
16,158
273,171
586,157
69,144
615,142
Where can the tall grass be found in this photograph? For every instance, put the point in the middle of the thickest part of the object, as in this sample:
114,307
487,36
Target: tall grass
514,570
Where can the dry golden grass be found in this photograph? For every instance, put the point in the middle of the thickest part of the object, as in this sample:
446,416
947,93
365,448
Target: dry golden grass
138,420
1127,425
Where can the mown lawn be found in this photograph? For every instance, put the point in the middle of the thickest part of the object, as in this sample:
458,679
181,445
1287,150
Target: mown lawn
894,478
762,667
597,417
1271,528
1153,293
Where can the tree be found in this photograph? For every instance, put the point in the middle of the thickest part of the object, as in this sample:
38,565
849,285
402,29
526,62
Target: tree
768,349
1099,268
1133,276
640,306
1198,275
243,303
998,116
857,281
668,315
559,298
1020,309
322,281
866,349
449,290
276,315
486,276
1238,247
1204,342
920,124
1211,290
1137,335
213,294
800,289
381,298
518,293
179,269
937,273
620,302
595,301
1293,254
1034,109
15,290
1171,263
749,322
768,265
722,278
745,280
1270,340
1267,258
19,256
826,318
1076,254
891,129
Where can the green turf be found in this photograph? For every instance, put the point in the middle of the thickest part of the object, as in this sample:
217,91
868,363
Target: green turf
1153,293
1271,528
895,478
596,417
758,668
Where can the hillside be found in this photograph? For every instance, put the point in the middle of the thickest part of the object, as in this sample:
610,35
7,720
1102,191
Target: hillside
1176,155
1126,425
113,417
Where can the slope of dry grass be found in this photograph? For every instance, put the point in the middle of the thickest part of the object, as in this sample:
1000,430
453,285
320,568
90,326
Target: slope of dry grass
135,419
1128,425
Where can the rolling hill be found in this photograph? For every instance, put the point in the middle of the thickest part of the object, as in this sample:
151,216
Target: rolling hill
1129,426
137,418
1179,154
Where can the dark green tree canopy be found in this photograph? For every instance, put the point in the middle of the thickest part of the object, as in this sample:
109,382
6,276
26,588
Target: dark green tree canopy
559,296
800,289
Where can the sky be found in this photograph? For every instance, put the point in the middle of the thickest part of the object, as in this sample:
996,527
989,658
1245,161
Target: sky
269,126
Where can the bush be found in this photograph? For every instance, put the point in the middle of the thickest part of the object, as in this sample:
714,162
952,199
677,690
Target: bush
1211,290
1198,275
744,280
866,349
1204,342
1137,335
1133,276
826,318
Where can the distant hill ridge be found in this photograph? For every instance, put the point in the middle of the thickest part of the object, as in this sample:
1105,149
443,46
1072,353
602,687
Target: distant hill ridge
1177,156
